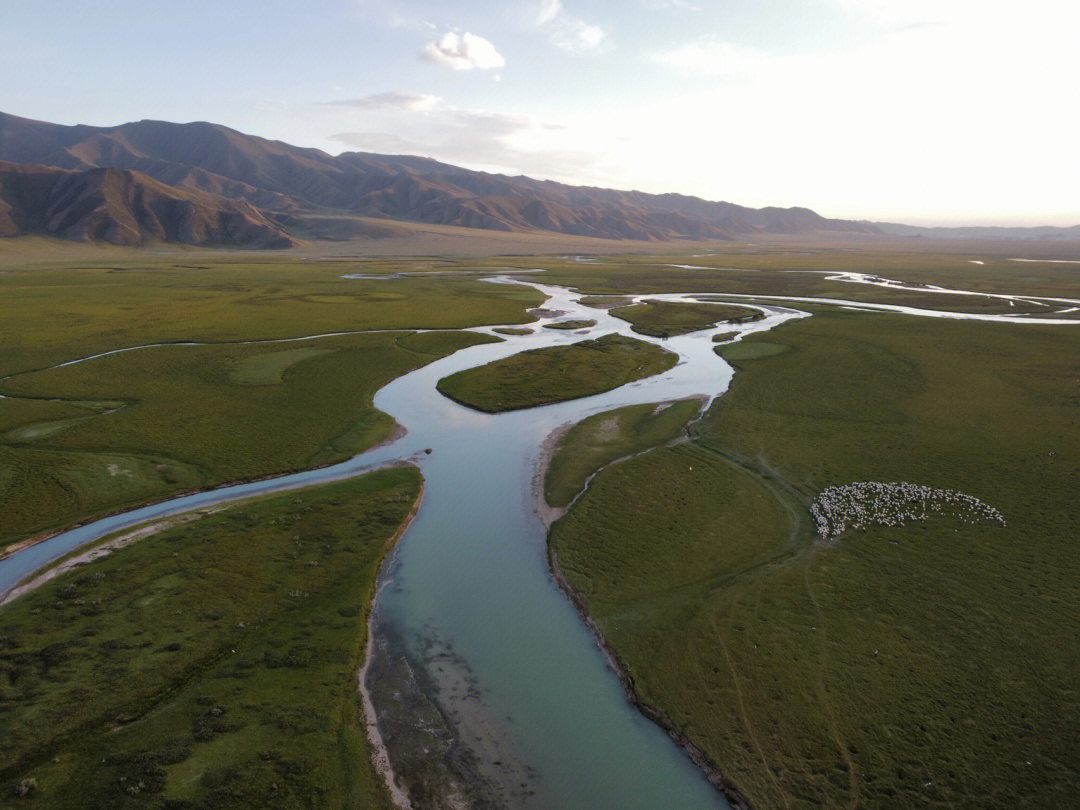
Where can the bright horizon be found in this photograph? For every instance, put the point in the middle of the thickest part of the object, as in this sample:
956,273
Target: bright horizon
926,113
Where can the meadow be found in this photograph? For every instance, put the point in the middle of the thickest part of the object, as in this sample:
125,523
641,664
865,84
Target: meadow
169,419
211,665
927,665
605,437
53,314
669,318
84,440
931,665
557,373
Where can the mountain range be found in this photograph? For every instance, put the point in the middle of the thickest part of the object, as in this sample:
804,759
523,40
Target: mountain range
205,184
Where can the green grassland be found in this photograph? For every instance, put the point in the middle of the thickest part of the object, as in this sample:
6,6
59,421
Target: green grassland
189,417
268,368
578,323
54,314
212,665
557,373
124,429
929,665
611,435
512,330
932,665
605,301
749,350
669,318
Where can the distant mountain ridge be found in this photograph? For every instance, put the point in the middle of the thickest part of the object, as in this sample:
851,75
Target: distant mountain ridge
290,188
125,208
982,231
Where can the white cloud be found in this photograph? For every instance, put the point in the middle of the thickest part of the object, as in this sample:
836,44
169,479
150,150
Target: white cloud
567,32
667,5
391,13
384,143
576,35
549,10
391,100
462,52
714,58
488,141
969,118
914,12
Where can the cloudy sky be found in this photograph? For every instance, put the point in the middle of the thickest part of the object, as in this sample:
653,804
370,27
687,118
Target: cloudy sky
922,111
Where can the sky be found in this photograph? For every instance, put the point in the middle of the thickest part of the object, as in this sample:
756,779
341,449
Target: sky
922,111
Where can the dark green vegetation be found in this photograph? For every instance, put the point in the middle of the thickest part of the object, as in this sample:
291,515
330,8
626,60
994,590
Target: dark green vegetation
750,349
512,330
579,323
930,665
605,301
669,318
212,665
189,417
605,437
557,373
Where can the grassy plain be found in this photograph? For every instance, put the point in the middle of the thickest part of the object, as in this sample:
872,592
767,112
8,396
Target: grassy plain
53,314
933,665
605,437
749,350
930,665
122,429
668,318
191,417
212,665
557,373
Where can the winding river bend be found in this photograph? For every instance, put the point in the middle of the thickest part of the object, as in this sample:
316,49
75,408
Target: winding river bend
475,641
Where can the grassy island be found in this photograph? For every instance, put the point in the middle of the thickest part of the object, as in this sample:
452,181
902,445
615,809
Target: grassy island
514,331
556,373
578,323
669,318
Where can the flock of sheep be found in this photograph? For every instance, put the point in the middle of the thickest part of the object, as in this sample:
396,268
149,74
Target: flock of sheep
867,503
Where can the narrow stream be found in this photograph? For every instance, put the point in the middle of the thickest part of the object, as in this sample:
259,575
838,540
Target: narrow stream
473,639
